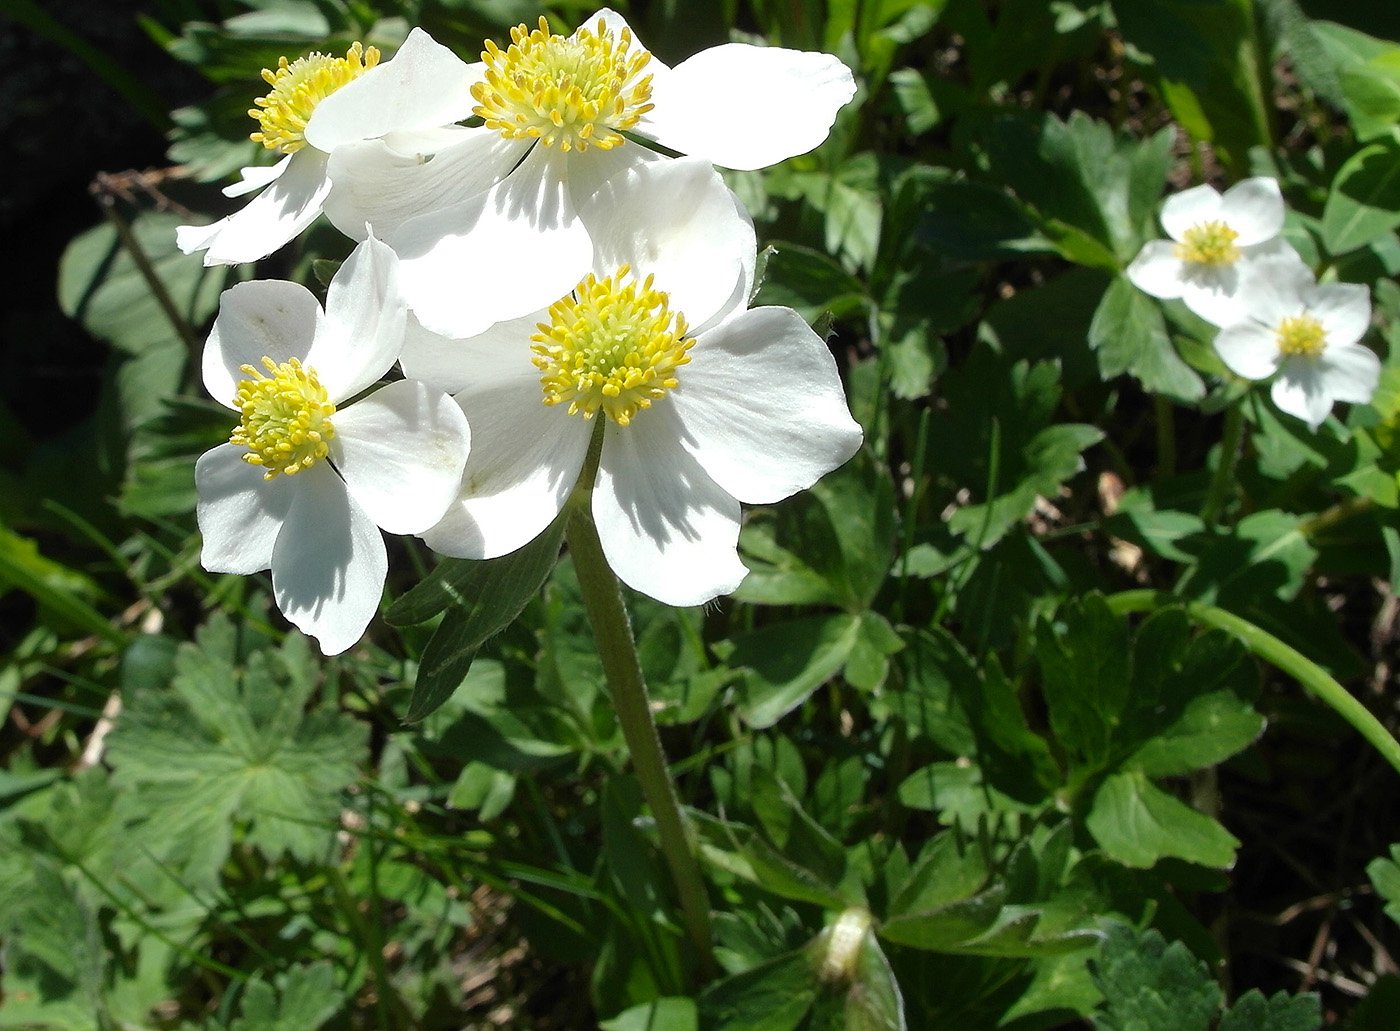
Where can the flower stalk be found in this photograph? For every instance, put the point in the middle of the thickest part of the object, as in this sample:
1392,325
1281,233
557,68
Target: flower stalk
612,632
1316,680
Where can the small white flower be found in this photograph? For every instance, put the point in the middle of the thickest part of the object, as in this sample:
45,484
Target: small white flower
306,481
291,123
1216,243
705,403
1307,335
490,228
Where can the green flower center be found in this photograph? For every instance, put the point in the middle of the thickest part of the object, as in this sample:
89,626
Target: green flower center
296,90
610,345
285,420
571,91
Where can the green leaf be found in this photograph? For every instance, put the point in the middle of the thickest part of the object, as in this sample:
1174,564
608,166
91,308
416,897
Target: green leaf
1094,189
671,1013
480,599
1364,202
1149,985
773,996
62,592
1206,61
305,999
1385,875
1253,1011
1086,677
1129,336
229,747
785,662
1138,823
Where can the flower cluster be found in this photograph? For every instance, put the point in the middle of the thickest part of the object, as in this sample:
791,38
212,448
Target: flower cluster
1228,264
550,288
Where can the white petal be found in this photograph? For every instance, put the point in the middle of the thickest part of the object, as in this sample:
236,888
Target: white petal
261,318
667,529
401,451
239,513
1300,391
678,221
1273,282
329,564
1213,292
1183,210
1254,209
269,220
762,406
452,365
1350,372
255,177
510,251
524,464
1343,310
1249,349
1157,270
372,182
424,84
746,107
362,332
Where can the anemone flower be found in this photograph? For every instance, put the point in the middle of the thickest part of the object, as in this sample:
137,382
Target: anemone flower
307,480
703,402
490,228
1306,336
291,123
1217,242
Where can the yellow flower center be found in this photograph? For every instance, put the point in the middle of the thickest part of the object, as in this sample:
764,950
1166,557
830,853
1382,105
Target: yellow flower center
1302,335
1209,243
574,91
285,422
296,90
610,345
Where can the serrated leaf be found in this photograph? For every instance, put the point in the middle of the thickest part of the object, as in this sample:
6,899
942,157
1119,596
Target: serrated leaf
1130,337
1149,985
230,747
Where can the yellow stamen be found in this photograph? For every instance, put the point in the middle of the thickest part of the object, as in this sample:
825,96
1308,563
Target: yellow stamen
611,345
1209,243
296,90
575,91
1301,335
285,422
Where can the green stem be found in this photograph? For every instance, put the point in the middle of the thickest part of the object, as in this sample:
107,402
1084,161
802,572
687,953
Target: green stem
1222,480
1338,513
1269,648
612,631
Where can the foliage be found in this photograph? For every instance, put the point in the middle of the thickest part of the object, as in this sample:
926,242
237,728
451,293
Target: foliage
1035,714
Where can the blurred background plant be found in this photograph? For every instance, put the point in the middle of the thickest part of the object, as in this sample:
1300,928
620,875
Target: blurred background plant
1013,724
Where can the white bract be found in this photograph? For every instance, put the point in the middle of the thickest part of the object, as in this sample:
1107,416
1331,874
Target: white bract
291,123
704,403
1217,242
1306,335
491,227
306,481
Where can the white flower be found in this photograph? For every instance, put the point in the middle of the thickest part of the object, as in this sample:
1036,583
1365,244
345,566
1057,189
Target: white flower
291,123
1307,335
306,480
1216,243
490,228
704,403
